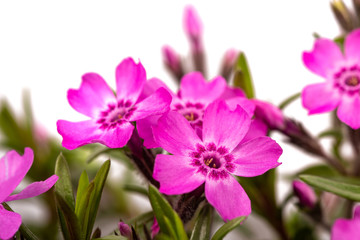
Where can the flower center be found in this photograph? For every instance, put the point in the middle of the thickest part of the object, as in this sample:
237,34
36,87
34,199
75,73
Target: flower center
191,116
347,79
116,114
212,161
193,112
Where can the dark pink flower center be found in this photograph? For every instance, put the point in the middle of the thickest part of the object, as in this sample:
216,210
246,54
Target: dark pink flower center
116,114
348,79
193,112
212,160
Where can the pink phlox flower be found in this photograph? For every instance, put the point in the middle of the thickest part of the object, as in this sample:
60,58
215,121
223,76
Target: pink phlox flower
347,228
194,96
13,169
341,89
111,116
213,159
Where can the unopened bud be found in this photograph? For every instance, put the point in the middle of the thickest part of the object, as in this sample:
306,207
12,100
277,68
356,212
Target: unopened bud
306,194
342,15
192,23
155,228
172,61
269,114
125,229
228,62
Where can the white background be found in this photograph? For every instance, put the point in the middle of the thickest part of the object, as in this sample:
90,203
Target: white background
46,46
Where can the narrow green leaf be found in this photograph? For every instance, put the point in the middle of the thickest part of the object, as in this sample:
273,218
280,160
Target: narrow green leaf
242,77
81,190
346,190
28,111
99,182
320,170
70,225
203,224
63,186
136,189
289,100
83,210
227,227
143,218
164,211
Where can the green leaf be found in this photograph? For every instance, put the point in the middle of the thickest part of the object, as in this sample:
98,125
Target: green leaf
345,190
242,77
143,218
69,222
111,237
227,227
63,186
289,100
320,170
169,221
81,190
203,224
136,189
83,210
91,211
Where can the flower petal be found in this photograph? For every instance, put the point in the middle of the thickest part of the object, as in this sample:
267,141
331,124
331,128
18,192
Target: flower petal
118,136
92,96
77,134
224,127
9,223
151,86
13,169
270,114
155,104
175,134
231,92
352,45
130,80
320,98
256,156
144,127
245,103
348,110
323,58
345,229
195,88
34,189
176,175
257,129
228,197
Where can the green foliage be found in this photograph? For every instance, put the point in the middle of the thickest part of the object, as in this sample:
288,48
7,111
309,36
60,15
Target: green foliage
289,100
168,220
242,76
203,224
227,227
111,237
340,188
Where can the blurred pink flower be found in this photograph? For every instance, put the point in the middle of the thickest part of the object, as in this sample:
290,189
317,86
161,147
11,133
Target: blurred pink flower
347,228
111,116
342,73
214,158
13,169
305,193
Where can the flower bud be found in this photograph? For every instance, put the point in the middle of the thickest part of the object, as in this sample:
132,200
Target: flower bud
173,62
155,228
269,114
228,63
192,23
342,15
306,194
125,229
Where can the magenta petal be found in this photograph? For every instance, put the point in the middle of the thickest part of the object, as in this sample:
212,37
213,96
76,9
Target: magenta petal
244,103
323,58
130,80
231,92
144,127
13,169
357,212
34,189
256,156
348,110
320,98
77,134
195,88
92,96
151,86
228,197
257,129
224,127
352,46
175,134
118,136
155,104
176,175
9,223
345,229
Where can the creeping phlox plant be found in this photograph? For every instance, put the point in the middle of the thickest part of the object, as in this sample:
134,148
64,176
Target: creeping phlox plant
204,153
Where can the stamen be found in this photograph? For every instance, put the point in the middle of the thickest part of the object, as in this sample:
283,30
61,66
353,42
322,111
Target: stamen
208,161
352,81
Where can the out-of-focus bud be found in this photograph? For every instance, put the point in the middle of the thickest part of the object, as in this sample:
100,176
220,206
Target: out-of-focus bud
269,114
192,23
306,194
172,62
125,230
155,228
228,62
356,4
342,15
